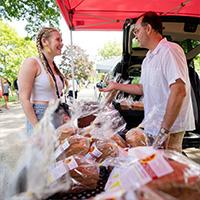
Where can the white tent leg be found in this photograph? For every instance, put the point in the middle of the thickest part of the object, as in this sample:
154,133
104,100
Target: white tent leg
72,64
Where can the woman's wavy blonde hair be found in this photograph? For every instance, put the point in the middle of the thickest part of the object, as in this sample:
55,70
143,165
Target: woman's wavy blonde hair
45,33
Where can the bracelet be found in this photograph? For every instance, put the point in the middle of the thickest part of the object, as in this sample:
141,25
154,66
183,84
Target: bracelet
164,131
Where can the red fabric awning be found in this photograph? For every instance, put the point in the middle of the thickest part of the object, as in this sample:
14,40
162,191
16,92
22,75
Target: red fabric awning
110,14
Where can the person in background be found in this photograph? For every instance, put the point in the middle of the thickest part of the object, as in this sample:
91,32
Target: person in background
164,83
6,92
15,84
76,87
1,92
39,79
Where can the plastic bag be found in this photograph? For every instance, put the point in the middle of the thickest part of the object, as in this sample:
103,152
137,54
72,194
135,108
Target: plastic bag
84,173
107,123
84,108
102,149
28,175
110,96
74,145
184,182
168,174
136,137
66,130
83,112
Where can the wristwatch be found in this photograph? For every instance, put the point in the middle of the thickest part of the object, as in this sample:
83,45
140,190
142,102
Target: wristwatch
164,131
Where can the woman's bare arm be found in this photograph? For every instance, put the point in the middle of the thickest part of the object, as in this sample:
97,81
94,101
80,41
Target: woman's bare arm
26,77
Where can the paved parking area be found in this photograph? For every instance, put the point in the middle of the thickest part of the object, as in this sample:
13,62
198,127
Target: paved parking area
12,120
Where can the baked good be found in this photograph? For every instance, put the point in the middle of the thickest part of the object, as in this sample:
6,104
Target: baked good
84,173
77,145
66,133
102,149
119,140
180,184
136,137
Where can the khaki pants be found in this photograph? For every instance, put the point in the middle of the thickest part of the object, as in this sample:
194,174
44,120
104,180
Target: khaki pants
174,141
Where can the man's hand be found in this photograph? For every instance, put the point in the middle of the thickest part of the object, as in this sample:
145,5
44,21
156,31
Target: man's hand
160,139
111,86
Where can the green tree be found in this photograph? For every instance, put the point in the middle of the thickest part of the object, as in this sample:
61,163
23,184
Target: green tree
83,68
35,12
189,45
197,63
13,50
110,49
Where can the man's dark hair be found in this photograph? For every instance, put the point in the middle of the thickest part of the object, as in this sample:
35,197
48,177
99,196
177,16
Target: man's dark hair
153,19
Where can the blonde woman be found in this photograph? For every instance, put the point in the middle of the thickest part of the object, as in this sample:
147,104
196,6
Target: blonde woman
40,81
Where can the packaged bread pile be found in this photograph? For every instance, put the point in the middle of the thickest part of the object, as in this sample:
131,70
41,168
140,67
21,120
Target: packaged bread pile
147,174
137,170
84,149
69,157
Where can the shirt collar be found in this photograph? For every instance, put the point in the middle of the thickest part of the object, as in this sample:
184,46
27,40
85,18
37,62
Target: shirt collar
155,51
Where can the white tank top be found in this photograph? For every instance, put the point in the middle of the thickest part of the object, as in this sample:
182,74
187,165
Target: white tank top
42,90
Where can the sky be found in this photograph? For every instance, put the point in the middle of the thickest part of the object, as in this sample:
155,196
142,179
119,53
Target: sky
90,41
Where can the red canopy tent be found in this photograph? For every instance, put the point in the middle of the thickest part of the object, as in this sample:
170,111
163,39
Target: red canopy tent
110,14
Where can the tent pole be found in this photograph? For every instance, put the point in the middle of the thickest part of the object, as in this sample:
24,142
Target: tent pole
72,64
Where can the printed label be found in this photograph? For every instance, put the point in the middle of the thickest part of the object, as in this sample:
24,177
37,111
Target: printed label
89,156
65,145
71,162
160,166
114,183
94,151
58,151
61,148
56,171
138,174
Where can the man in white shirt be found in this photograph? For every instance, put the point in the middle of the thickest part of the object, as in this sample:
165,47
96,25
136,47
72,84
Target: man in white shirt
164,83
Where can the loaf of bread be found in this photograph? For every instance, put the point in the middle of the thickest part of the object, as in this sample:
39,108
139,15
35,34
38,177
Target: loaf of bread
65,131
102,149
85,174
180,184
119,140
85,121
77,145
136,137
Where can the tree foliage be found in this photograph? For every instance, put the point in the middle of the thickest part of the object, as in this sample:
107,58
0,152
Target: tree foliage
110,49
13,50
83,68
188,45
35,12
